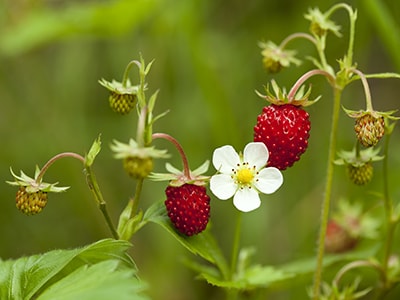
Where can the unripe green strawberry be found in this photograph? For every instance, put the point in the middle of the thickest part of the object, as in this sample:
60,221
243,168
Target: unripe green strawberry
138,167
31,196
122,103
360,174
123,95
369,129
137,160
30,203
275,58
271,65
188,208
358,163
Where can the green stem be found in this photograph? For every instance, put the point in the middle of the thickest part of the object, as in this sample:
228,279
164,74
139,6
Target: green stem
327,196
94,187
235,245
232,294
367,91
388,205
353,18
296,36
356,264
92,183
138,191
321,41
125,78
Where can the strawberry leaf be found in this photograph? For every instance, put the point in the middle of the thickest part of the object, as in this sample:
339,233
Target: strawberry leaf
32,276
103,280
202,244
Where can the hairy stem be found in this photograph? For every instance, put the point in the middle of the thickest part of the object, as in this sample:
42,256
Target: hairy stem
388,205
94,187
138,191
327,194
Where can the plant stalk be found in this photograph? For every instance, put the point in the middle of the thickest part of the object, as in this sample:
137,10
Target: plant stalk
94,187
327,195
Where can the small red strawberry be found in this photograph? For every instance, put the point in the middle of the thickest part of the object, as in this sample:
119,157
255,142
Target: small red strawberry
284,127
285,130
338,239
188,208
187,203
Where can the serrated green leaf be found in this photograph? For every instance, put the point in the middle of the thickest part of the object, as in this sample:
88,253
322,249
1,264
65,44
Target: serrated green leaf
28,276
254,277
202,244
104,280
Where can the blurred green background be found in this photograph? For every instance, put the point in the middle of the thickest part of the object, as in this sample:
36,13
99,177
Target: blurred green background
207,67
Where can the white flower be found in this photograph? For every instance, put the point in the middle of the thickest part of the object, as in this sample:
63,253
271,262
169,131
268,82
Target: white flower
244,176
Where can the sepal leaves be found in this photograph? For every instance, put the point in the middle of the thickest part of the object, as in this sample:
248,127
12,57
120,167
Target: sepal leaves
34,185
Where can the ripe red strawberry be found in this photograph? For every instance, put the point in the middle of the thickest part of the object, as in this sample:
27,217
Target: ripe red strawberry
188,208
284,129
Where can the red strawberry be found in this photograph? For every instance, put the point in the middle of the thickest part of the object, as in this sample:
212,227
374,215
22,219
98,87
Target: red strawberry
284,129
188,208
338,239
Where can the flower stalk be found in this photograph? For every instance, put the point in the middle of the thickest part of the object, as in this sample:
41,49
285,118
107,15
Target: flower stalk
327,193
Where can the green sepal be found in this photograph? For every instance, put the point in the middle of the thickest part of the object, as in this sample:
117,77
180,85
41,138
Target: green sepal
32,185
128,226
93,152
176,177
358,159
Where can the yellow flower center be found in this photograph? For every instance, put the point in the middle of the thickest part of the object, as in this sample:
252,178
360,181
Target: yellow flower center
244,175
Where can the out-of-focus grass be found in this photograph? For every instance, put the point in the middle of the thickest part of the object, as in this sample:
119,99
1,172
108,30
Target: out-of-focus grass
207,66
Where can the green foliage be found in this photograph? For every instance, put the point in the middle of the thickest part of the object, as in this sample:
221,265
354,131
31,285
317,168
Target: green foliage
207,68
98,271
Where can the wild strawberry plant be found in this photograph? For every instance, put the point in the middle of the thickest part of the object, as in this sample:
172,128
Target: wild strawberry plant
279,138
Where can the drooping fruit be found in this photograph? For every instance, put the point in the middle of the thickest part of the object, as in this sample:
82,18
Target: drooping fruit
285,130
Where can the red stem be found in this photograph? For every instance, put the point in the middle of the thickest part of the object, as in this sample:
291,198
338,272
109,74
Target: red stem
53,160
186,169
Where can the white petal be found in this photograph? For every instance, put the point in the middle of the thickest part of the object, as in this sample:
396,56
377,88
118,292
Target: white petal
222,186
256,154
225,159
268,180
246,199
